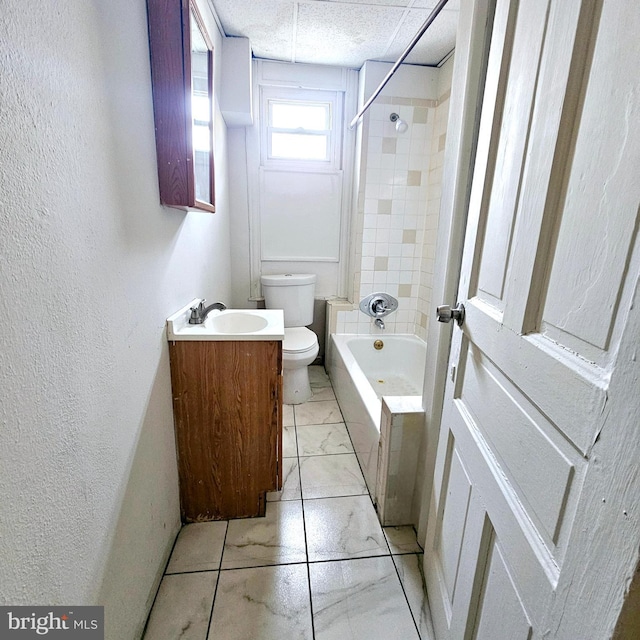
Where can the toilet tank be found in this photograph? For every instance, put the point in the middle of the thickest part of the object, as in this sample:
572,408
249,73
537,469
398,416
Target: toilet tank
293,293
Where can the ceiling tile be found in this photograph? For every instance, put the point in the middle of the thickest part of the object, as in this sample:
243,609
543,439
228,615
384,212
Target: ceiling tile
387,3
267,23
339,32
452,5
434,45
343,34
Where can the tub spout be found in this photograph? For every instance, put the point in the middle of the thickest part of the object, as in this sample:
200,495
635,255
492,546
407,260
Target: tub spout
380,323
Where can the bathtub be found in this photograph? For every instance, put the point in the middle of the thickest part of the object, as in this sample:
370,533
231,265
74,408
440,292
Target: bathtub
361,375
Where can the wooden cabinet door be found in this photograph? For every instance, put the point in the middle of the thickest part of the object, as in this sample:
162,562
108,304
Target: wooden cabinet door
279,478
226,411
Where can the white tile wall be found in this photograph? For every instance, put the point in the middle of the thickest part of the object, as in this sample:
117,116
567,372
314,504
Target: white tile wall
428,249
397,218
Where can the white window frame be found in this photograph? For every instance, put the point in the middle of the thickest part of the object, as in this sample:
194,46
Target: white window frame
334,99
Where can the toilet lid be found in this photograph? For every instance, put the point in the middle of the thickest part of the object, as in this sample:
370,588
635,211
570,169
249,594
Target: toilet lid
298,339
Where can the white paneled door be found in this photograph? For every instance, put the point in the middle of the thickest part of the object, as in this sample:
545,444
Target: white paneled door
534,526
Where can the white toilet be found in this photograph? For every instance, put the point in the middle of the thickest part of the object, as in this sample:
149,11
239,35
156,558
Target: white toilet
293,293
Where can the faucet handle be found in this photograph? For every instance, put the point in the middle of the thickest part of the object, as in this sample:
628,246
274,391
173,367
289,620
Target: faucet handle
196,312
379,307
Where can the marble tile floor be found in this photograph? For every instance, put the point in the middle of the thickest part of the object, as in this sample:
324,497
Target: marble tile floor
317,566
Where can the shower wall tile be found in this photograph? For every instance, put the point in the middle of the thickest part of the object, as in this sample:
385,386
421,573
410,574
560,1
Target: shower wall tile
397,212
384,206
428,248
389,145
420,115
408,236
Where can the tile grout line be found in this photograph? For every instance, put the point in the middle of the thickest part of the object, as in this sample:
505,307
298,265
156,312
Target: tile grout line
287,564
368,493
302,498
354,449
307,561
322,424
162,577
406,597
304,528
215,589
323,455
381,527
215,592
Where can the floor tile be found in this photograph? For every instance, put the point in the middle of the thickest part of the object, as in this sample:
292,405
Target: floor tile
340,528
278,538
323,439
289,447
411,572
318,377
358,600
402,539
198,548
287,415
322,393
182,607
323,412
291,483
266,603
334,475
261,579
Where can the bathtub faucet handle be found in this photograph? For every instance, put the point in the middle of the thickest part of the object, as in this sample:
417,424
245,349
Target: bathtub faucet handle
378,305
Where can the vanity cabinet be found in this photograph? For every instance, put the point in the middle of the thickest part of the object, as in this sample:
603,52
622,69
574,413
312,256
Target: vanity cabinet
227,403
182,83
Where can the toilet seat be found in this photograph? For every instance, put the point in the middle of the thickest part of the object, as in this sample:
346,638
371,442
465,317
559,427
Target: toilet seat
299,340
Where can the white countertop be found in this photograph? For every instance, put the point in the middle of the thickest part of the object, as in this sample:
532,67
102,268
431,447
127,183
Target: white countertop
231,324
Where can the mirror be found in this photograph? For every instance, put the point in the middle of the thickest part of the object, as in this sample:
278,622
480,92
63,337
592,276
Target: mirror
201,108
182,81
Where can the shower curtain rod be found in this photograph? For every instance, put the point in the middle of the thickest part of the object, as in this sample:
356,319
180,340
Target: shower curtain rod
427,23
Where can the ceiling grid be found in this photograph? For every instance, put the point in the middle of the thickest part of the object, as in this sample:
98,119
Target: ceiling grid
339,32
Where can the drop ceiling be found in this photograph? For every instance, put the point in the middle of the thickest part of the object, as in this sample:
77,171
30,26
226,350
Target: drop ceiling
340,32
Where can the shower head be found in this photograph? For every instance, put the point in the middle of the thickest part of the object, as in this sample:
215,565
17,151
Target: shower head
401,125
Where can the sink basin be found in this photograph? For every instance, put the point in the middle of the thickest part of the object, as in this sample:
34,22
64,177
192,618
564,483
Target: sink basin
231,324
236,322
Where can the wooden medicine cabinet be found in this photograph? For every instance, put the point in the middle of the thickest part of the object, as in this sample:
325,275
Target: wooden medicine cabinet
182,82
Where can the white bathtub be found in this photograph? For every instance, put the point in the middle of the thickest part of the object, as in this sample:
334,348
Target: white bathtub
361,375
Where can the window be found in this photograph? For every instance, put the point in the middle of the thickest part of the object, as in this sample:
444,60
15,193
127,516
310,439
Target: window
299,128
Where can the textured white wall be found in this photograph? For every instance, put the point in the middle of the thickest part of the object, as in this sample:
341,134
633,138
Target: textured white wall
90,267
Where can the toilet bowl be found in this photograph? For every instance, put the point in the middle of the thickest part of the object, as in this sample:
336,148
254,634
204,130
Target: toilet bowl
299,349
294,294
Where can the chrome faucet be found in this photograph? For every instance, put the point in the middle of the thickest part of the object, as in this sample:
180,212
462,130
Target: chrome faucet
200,312
379,307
